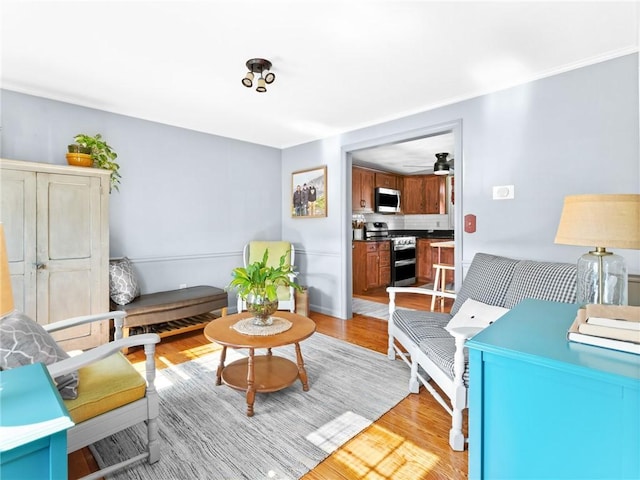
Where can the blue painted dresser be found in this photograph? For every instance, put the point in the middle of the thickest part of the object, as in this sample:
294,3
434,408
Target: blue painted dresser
33,425
541,407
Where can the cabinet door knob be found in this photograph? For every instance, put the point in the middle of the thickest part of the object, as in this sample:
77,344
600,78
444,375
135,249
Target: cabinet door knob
41,266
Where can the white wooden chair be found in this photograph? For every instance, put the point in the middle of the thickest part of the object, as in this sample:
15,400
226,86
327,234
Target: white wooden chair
253,251
101,409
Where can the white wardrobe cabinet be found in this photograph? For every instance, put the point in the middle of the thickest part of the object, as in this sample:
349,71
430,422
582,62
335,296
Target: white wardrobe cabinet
56,220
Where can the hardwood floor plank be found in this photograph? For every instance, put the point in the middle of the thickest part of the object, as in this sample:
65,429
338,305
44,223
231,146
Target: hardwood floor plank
409,442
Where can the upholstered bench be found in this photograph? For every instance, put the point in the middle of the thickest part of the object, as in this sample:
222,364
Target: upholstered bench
173,311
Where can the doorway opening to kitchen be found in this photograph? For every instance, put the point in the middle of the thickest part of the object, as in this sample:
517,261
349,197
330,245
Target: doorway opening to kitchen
393,246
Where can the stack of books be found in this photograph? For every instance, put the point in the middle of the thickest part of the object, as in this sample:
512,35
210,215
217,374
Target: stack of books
610,326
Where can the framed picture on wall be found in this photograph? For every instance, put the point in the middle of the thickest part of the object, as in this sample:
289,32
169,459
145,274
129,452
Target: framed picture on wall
309,193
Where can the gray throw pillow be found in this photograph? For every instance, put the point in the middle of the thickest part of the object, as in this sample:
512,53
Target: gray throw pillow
123,286
23,342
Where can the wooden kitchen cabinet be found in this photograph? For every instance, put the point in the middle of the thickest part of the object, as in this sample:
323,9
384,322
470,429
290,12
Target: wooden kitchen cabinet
386,180
384,264
424,260
426,256
435,192
371,265
424,194
56,221
413,196
362,187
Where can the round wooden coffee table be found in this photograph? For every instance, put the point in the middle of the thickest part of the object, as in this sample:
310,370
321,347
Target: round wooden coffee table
260,373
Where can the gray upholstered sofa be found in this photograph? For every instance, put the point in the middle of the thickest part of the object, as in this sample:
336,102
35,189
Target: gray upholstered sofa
436,352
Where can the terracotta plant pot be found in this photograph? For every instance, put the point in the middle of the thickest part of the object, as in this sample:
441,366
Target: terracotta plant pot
79,159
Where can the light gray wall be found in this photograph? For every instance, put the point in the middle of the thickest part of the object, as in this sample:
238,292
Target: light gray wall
571,133
188,201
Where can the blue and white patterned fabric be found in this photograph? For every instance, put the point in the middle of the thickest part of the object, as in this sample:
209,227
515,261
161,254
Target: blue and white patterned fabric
419,325
554,282
492,280
441,350
486,281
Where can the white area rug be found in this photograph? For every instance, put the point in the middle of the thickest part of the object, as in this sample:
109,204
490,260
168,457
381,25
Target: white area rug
372,309
205,433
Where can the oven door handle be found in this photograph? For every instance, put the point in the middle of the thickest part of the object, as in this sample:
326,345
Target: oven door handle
404,247
402,263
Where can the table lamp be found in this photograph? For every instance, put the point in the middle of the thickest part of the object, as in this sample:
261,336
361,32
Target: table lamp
601,221
6,295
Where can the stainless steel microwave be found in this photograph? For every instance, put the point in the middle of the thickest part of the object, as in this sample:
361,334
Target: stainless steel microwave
387,200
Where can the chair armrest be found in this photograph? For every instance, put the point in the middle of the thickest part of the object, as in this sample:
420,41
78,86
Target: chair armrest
118,317
461,335
464,333
98,353
419,290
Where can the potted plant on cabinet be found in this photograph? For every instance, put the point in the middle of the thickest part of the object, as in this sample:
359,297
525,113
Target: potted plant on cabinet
258,283
102,155
79,156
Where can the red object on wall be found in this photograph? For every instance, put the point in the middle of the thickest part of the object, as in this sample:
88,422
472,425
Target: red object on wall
470,223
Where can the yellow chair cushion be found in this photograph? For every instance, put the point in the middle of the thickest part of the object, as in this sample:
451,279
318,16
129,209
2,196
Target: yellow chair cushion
276,250
104,386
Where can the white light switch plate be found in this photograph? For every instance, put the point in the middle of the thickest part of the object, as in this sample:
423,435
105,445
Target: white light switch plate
504,192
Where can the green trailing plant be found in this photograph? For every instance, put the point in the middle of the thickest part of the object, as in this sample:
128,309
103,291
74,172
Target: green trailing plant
258,279
102,155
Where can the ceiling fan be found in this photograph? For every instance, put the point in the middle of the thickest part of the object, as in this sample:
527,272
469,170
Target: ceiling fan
441,167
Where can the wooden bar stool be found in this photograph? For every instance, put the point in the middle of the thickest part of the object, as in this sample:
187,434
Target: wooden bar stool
440,284
440,278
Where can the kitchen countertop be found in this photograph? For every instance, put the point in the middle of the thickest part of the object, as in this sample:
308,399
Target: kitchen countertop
439,234
445,234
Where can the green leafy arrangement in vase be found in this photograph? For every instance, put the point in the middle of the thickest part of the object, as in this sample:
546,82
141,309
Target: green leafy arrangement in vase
262,281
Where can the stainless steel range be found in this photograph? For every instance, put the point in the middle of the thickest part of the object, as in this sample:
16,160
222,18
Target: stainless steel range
403,253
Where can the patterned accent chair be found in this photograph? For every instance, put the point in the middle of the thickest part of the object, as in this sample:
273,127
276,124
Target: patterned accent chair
254,251
432,343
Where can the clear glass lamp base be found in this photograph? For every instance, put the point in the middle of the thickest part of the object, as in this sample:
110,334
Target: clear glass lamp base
602,278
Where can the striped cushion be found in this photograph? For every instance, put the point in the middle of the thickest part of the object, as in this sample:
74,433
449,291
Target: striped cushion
441,351
486,281
417,324
555,282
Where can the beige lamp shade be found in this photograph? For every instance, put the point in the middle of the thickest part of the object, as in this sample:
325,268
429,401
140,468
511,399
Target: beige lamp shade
600,221
6,294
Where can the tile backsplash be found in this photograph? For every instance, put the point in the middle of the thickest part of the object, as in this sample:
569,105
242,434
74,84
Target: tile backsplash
409,222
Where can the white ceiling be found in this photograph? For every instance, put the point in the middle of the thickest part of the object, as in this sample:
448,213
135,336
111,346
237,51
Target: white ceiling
415,157
339,65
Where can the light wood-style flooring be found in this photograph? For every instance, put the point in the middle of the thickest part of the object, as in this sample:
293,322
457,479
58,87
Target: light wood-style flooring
409,442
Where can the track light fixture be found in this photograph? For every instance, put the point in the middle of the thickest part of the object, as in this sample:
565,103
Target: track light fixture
258,65
442,166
